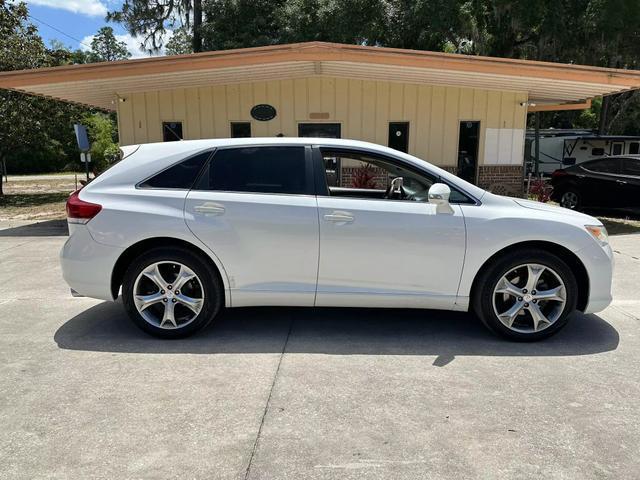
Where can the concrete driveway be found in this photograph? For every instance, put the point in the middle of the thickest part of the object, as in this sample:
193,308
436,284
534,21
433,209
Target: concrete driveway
301,393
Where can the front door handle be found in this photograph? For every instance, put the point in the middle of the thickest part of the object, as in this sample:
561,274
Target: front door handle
209,208
339,217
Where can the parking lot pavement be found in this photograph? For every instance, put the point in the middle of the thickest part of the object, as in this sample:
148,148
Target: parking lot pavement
301,393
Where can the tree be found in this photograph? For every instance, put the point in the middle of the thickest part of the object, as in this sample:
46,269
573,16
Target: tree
179,43
106,48
151,19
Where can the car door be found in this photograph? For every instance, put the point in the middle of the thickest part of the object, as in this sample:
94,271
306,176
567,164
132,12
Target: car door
600,181
377,251
630,174
255,208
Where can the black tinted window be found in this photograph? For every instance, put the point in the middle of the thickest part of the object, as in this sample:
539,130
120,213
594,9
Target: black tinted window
609,165
182,175
258,169
631,166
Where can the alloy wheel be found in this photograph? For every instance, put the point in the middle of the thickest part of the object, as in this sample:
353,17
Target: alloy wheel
529,298
569,200
168,295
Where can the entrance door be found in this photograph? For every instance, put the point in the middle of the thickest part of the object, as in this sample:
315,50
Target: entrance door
468,141
322,130
399,136
617,148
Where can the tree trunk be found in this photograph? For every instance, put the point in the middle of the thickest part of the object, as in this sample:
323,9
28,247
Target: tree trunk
2,173
602,129
197,23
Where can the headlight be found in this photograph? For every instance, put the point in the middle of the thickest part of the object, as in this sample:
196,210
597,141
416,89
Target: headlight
599,233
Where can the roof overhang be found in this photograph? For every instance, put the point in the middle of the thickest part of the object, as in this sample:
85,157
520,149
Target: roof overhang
550,86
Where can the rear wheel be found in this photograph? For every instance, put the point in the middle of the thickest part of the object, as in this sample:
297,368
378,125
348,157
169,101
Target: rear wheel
171,293
526,295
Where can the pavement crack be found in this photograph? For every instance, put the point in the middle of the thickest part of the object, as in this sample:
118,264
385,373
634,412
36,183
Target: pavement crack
266,407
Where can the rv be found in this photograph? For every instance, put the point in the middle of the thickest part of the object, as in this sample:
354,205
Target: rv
563,148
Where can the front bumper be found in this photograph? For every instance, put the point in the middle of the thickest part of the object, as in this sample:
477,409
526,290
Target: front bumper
599,264
87,265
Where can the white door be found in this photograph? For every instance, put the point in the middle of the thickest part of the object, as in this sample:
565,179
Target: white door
391,252
255,209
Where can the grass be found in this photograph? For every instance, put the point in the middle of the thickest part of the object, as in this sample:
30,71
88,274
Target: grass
620,226
35,199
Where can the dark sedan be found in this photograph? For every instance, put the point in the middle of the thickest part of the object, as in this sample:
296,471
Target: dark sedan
608,183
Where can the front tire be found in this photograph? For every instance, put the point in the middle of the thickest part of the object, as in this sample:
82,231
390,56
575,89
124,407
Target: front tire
571,199
171,292
526,295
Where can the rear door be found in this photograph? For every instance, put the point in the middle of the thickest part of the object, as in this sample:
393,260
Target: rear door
255,208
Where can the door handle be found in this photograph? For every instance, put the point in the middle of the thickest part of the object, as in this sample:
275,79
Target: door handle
209,209
621,181
339,217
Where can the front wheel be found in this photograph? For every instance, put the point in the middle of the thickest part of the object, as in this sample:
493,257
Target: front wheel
171,292
570,199
526,295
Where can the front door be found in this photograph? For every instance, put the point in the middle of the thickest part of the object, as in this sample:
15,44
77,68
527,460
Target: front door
382,243
255,209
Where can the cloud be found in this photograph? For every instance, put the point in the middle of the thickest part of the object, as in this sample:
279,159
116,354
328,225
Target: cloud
133,44
91,8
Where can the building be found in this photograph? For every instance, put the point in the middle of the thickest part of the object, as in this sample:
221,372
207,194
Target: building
464,113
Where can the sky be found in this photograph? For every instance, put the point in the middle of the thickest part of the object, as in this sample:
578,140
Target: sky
79,20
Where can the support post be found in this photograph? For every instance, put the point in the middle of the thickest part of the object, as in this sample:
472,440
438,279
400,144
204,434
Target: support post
537,140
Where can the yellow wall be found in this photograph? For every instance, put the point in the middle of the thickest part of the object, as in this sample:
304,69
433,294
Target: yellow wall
363,107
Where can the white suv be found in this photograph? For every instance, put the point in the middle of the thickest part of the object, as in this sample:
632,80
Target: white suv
182,229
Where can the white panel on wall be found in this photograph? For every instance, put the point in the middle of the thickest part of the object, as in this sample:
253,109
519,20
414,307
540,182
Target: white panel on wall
503,146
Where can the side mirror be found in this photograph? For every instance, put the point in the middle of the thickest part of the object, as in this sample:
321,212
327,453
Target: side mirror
439,196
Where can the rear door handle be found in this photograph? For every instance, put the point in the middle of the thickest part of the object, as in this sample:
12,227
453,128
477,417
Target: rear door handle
210,209
339,217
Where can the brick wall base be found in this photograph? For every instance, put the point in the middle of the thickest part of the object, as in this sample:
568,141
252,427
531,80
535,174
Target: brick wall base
502,179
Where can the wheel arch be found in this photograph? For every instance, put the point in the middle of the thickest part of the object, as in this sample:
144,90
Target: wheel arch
142,246
570,258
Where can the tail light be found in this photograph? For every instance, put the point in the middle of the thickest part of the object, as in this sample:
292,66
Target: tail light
79,211
559,173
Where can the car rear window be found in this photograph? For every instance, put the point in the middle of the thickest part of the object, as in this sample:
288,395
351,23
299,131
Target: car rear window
181,176
607,165
280,170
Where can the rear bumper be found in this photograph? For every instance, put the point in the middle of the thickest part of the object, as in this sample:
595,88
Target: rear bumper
599,264
87,265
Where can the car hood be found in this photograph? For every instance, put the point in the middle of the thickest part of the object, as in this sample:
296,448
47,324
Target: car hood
565,212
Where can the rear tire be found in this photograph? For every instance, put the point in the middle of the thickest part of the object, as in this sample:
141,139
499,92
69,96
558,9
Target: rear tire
509,295
172,292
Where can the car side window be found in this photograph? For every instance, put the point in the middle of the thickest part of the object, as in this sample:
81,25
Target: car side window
360,175
261,169
631,166
607,165
181,176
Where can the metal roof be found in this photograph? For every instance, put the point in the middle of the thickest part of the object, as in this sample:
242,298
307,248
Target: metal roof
549,85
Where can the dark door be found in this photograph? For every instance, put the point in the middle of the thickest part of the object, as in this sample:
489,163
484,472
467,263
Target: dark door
630,174
617,148
399,136
600,183
322,130
325,130
468,150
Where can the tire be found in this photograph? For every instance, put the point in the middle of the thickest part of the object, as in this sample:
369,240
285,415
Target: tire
555,274
570,198
203,292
